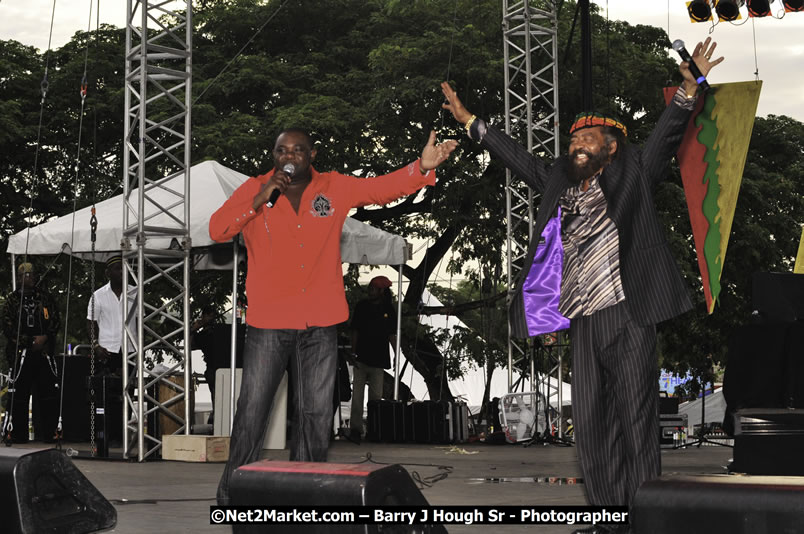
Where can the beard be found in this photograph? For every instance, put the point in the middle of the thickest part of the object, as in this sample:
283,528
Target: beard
578,173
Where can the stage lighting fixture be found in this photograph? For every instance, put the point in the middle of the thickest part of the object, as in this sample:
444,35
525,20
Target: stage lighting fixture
729,10
793,5
759,8
699,10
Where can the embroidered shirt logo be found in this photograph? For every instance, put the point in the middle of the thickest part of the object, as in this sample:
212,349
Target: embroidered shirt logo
322,207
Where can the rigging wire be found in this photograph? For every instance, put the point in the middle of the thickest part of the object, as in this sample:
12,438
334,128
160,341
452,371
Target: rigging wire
239,52
756,61
608,56
8,425
424,260
83,94
449,56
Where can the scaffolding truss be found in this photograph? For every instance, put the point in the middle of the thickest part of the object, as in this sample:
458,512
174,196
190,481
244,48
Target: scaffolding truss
157,135
531,116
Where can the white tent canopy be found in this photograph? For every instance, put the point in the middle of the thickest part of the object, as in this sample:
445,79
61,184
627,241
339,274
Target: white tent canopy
714,407
210,185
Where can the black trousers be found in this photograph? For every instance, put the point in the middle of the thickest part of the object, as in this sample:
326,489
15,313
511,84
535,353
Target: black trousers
615,393
37,371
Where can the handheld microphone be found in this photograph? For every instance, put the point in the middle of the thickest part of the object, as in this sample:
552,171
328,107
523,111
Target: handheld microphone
678,46
289,168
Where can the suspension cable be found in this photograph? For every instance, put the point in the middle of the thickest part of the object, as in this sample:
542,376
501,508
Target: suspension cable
427,243
83,95
8,425
756,61
239,52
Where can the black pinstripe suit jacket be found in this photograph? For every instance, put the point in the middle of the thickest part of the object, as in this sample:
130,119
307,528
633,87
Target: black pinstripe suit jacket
652,283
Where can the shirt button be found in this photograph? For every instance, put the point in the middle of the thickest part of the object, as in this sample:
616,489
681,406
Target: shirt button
301,245
302,266
298,226
303,290
237,219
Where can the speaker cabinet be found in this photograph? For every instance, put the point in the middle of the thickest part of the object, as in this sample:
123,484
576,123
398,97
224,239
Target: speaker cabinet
719,503
769,441
42,492
269,483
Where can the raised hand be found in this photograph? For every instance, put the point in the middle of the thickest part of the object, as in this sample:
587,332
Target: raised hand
434,155
454,104
702,55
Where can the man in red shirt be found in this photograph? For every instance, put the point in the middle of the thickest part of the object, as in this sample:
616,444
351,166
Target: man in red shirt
295,287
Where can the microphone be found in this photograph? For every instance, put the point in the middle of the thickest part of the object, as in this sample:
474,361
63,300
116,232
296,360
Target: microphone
678,46
289,168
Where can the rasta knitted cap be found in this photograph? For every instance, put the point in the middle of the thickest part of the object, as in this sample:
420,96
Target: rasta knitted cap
591,119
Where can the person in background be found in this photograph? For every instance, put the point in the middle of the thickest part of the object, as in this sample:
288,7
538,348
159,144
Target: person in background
30,324
105,317
373,330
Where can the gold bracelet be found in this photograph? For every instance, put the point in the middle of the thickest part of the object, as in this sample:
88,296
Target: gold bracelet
469,122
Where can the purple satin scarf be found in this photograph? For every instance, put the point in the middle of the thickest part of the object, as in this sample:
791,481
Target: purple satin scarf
542,288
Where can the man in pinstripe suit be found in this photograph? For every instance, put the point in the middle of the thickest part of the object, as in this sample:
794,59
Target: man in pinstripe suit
616,275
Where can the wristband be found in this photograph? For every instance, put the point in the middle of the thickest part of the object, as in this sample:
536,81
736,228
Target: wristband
469,122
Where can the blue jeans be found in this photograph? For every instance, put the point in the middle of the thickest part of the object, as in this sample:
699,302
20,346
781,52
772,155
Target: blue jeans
310,357
362,374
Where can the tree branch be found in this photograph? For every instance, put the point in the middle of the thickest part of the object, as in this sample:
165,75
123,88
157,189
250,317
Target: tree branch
406,207
458,309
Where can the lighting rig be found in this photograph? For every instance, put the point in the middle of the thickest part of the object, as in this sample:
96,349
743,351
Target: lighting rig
729,10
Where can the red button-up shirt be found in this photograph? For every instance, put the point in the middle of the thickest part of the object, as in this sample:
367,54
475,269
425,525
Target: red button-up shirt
295,278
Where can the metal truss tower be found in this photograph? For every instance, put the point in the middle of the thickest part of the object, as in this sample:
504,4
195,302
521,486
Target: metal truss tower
156,219
531,116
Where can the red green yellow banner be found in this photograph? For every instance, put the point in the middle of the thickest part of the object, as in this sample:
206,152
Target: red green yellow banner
712,157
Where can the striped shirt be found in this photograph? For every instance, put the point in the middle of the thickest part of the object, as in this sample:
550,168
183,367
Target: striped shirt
591,276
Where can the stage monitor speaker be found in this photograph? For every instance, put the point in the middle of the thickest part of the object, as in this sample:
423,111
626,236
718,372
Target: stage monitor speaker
42,492
719,503
269,483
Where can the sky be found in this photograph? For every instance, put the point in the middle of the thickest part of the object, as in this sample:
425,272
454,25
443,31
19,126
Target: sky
779,46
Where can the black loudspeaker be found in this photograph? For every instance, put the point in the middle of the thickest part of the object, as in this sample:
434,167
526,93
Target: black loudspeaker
41,492
769,442
75,405
719,503
268,483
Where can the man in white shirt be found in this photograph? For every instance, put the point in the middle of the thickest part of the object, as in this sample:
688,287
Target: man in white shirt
105,315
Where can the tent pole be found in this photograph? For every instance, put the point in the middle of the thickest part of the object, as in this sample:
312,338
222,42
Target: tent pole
398,332
13,272
233,346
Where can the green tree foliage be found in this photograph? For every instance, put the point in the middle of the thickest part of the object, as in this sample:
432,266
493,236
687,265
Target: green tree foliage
363,76
42,172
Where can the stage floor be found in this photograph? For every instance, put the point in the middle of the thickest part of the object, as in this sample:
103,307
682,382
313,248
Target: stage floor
174,497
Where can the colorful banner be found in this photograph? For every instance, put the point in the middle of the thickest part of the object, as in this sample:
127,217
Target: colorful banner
711,157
